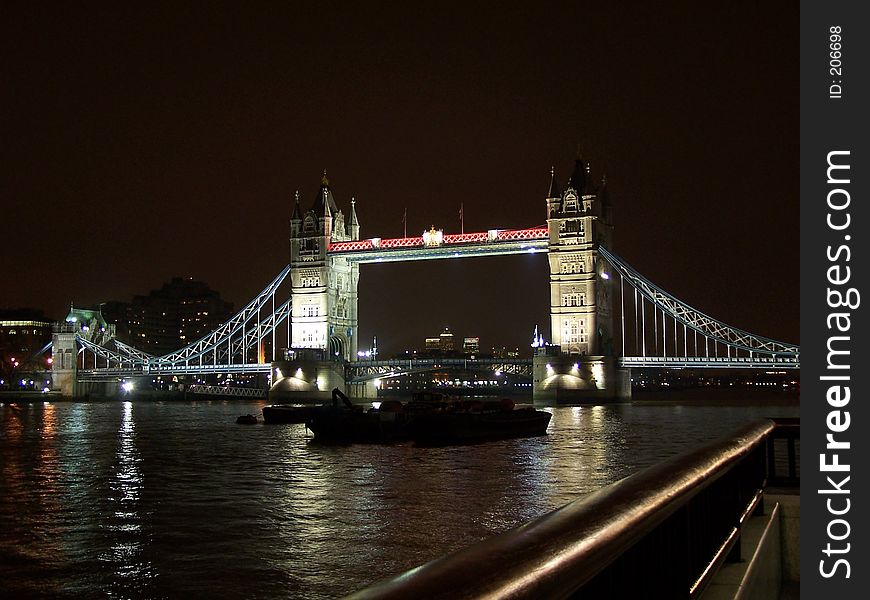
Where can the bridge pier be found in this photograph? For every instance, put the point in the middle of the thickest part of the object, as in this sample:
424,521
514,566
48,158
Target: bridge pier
63,362
560,378
306,378
362,390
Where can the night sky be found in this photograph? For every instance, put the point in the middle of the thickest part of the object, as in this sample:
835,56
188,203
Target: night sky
136,145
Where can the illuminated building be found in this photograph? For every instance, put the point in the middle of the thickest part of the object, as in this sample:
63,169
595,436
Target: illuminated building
448,344
169,318
579,220
24,334
324,287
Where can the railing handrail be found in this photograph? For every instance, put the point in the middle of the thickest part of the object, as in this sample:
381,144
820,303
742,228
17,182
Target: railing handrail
556,554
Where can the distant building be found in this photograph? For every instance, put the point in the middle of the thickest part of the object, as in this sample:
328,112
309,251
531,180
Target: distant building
24,334
433,344
471,346
169,318
505,352
447,342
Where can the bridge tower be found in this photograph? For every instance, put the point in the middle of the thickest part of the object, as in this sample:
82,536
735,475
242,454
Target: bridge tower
579,363
579,220
324,288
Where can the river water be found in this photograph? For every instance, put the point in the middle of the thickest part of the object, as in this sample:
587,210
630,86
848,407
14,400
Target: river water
174,500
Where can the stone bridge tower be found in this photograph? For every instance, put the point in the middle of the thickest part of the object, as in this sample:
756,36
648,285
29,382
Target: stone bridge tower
579,365
579,220
324,288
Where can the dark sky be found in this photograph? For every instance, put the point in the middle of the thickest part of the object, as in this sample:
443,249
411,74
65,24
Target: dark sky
138,144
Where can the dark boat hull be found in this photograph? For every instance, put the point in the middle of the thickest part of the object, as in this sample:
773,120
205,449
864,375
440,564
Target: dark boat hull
472,427
345,426
282,413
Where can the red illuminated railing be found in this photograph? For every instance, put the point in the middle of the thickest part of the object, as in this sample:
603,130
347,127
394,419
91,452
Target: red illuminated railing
535,233
351,246
400,242
480,237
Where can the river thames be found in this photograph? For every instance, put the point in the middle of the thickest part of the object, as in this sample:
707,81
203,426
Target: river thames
144,499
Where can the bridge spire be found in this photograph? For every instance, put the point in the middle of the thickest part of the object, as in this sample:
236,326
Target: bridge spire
324,205
297,212
578,177
354,221
554,191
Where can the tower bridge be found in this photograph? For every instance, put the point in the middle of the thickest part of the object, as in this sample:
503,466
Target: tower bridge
605,317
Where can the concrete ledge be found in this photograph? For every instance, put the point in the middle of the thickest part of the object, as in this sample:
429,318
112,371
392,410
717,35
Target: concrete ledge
790,519
760,574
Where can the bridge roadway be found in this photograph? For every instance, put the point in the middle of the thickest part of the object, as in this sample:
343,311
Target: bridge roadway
365,370
487,243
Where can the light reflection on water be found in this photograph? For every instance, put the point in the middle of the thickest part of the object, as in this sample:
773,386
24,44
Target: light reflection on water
154,500
122,525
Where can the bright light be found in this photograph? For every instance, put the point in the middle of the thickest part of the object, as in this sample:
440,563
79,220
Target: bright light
299,373
604,275
127,386
278,373
45,390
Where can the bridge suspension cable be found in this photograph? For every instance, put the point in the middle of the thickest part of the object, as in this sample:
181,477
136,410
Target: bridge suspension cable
210,343
712,330
229,342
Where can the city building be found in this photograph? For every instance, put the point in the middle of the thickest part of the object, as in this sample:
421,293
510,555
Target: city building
448,344
432,344
503,352
25,352
166,319
471,346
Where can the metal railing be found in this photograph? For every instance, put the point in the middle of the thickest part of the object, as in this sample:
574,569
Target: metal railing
660,533
223,390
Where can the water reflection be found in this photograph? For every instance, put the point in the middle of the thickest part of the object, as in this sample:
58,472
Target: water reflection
158,500
30,495
123,525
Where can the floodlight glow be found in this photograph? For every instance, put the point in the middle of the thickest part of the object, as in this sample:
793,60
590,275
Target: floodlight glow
127,386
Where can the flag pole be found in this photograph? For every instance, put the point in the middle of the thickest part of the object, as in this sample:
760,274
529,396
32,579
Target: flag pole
405,222
461,219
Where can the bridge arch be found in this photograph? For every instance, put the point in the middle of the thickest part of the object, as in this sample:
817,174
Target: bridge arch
338,347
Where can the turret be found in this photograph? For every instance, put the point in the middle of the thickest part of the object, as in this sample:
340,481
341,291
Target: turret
554,195
577,181
354,222
296,218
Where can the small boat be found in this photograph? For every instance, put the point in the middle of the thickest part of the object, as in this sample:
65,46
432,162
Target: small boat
348,423
427,420
247,420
